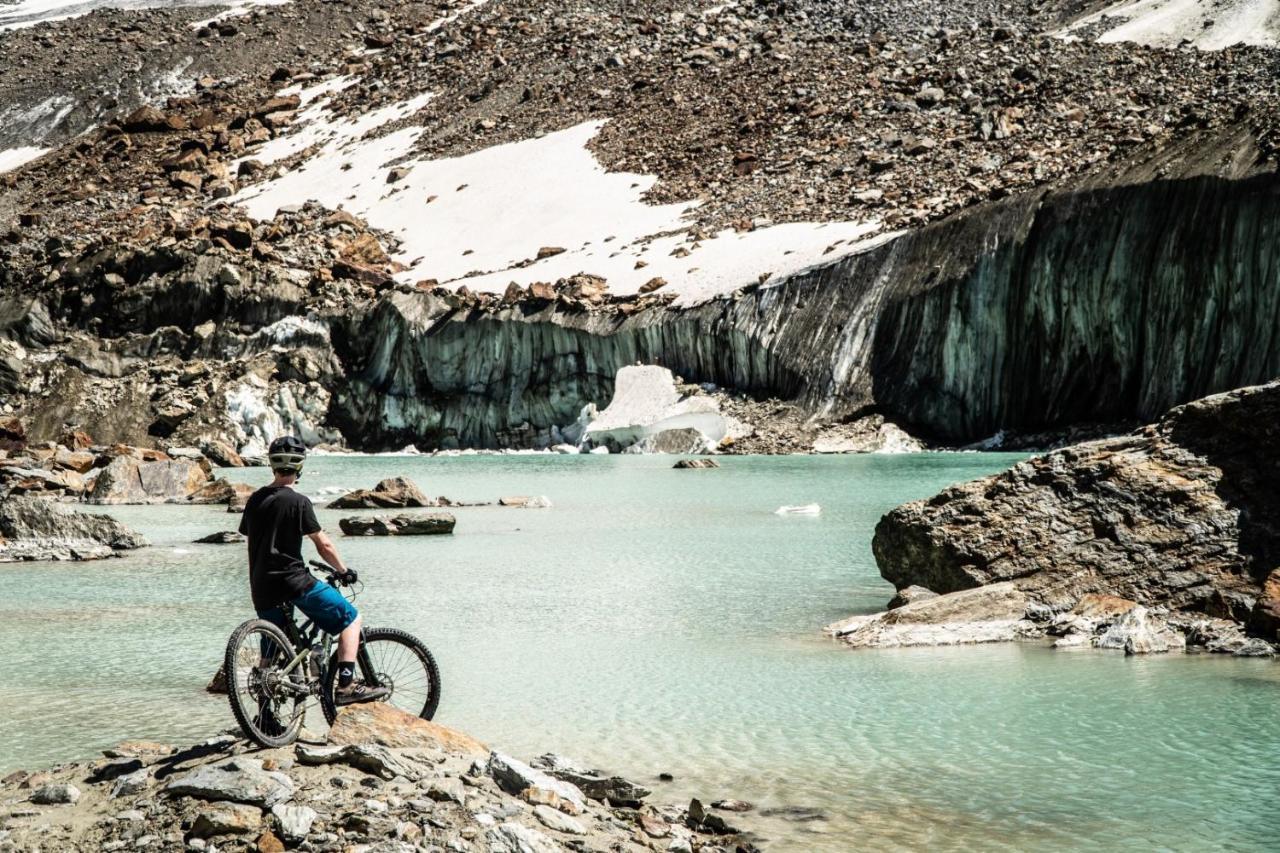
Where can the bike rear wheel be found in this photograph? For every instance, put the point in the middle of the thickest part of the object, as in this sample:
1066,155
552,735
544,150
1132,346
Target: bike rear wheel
394,659
268,703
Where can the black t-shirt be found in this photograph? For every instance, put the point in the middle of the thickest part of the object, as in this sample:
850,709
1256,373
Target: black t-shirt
275,520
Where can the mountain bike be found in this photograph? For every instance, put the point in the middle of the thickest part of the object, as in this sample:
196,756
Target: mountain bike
272,673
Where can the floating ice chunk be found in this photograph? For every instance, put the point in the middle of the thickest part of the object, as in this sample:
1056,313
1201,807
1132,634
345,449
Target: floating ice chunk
804,509
599,451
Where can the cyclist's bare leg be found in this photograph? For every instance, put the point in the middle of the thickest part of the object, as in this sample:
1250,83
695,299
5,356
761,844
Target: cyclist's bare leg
349,642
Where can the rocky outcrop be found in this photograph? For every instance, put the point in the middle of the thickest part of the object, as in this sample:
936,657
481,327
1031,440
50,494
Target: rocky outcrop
428,524
1180,514
37,529
128,480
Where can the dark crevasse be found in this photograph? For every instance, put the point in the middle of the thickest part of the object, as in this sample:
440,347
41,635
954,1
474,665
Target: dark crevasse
1103,303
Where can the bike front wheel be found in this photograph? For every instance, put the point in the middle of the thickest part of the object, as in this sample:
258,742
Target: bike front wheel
396,660
268,698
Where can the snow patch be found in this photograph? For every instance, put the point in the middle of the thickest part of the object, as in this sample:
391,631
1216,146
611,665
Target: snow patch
481,220
1208,24
15,157
646,403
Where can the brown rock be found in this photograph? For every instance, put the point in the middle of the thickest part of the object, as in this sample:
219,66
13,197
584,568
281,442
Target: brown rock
13,435
655,283
1264,621
287,103
148,119
268,843
76,440
549,252
392,493
388,726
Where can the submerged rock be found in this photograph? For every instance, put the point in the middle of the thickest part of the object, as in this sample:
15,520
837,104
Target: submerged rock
525,501
1176,514
38,529
685,464
429,524
222,537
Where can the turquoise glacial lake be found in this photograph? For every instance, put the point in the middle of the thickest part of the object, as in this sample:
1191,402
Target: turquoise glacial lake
658,621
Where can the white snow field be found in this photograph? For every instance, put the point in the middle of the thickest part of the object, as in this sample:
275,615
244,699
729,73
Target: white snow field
15,157
1208,24
481,219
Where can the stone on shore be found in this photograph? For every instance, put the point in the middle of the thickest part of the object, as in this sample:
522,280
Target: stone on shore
391,493
237,780
128,480
516,777
388,726
369,757
38,529
56,794
987,614
221,491
909,594
226,819
1139,632
293,822
1177,514
429,524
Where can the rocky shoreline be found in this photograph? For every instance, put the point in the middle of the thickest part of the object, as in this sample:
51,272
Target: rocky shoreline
381,781
1154,541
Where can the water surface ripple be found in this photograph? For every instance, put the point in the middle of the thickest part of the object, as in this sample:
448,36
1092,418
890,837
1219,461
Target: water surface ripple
658,620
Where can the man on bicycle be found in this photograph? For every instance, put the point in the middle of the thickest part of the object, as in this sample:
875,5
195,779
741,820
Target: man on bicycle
275,520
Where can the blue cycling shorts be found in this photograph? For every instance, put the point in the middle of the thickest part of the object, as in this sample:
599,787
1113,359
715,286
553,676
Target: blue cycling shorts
322,604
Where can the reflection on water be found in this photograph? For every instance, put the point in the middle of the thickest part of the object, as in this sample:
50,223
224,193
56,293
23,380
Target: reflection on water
663,621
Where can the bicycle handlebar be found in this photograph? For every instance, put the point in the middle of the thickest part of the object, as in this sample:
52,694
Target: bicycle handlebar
334,576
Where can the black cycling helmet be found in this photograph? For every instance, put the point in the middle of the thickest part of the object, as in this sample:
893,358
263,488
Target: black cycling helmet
287,454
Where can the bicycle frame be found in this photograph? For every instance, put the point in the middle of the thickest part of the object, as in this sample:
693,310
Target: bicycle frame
303,637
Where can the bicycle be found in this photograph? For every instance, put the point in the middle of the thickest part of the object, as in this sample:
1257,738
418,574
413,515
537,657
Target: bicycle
271,673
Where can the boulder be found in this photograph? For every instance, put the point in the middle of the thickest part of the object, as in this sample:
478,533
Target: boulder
428,524
688,464
293,822
221,491
36,529
388,726
55,794
987,614
128,480
222,454
512,837
1176,514
647,403
907,595
226,819
615,790
516,777
237,780
392,493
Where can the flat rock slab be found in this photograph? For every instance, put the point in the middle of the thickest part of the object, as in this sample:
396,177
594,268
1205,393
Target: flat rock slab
430,524
238,780
986,614
33,528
